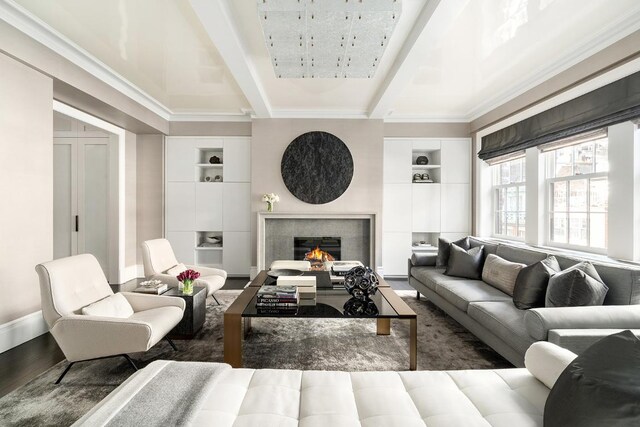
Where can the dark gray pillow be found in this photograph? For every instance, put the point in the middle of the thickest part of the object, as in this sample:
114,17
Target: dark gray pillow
600,387
532,281
444,249
465,263
579,285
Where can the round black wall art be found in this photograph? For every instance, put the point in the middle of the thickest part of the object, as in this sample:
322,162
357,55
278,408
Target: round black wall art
317,167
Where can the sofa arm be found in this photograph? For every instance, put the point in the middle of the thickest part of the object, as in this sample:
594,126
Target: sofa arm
423,260
539,321
84,337
142,302
208,271
578,340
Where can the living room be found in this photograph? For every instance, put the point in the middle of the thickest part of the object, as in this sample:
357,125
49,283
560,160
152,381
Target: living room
380,212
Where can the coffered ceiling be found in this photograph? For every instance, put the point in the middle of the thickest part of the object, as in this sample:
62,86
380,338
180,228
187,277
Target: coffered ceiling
445,60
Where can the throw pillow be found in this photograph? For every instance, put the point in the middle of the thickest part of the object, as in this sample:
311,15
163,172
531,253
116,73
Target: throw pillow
418,259
601,387
465,263
444,249
530,289
579,285
176,269
115,305
500,273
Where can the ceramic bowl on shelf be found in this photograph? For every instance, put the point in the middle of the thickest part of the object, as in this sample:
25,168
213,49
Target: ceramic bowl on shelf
213,239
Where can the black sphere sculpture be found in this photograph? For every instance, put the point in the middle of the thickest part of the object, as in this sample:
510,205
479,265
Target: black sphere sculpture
359,307
361,282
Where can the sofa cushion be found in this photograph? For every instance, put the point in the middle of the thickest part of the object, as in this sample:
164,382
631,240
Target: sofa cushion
600,387
465,263
530,289
521,255
504,320
489,248
461,292
500,273
115,305
444,249
430,276
579,285
423,259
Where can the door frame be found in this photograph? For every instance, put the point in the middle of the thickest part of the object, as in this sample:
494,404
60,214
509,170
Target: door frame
116,218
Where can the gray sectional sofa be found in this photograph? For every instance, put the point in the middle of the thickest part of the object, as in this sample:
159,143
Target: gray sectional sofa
491,315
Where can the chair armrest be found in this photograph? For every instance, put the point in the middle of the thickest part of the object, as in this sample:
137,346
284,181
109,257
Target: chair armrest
142,302
539,321
88,337
423,260
208,271
578,340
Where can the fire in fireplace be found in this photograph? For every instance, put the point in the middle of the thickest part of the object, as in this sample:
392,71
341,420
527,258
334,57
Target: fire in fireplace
317,250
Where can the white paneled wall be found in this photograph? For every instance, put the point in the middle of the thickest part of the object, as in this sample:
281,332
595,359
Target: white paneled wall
414,210
197,205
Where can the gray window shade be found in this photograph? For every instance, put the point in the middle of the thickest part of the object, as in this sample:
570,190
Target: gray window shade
614,103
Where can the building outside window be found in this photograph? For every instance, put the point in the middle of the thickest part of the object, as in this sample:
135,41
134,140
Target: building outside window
509,199
578,194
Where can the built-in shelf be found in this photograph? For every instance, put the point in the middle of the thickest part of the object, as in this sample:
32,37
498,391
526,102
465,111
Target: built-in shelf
209,165
216,248
425,166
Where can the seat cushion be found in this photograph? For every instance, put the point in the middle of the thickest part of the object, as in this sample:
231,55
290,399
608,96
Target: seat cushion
112,306
464,291
212,283
162,320
504,320
431,276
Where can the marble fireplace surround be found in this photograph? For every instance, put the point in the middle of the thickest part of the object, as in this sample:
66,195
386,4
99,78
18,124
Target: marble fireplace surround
276,232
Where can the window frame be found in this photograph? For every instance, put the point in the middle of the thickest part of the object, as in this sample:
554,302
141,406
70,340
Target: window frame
494,201
548,184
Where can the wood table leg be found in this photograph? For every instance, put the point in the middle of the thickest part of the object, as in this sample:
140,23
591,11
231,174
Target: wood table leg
233,339
383,326
413,344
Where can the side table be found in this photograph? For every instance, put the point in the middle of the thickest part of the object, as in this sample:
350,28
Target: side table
194,312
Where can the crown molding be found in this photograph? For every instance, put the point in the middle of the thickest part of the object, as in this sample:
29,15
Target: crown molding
620,29
210,117
23,20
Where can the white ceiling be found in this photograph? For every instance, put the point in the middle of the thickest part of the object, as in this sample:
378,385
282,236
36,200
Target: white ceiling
447,59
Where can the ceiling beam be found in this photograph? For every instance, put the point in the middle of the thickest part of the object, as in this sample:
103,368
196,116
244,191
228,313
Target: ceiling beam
217,22
434,19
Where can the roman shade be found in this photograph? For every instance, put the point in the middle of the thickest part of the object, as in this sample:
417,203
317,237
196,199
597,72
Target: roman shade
614,103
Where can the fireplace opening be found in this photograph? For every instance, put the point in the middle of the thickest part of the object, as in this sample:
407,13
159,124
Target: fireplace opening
317,250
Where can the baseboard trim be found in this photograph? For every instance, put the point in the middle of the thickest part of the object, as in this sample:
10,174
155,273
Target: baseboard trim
21,330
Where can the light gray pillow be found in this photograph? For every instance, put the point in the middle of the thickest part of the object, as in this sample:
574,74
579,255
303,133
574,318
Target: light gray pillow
465,263
444,249
500,273
579,285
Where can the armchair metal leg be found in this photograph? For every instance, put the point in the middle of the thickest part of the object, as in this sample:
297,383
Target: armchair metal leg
417,295
171,344
65,372
216,299
133,365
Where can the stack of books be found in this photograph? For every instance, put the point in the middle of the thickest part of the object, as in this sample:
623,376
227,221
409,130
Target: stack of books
277,299
155,287
304,285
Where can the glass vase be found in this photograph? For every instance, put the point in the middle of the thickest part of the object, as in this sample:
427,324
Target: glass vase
187,287
269,206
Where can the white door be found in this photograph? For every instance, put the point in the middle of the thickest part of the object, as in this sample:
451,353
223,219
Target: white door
236,256
396,250
236,206
425,207
81,197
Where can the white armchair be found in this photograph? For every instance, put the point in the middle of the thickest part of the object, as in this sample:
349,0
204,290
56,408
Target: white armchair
160,263
89,321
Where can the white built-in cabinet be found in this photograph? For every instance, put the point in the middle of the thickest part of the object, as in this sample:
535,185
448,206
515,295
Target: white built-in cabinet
209,199
423,211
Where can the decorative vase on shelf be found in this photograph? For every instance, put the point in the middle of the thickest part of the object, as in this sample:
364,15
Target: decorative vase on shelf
271,199
269,206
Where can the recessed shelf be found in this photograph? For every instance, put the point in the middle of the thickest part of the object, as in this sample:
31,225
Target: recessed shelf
425,166
216,248
209,165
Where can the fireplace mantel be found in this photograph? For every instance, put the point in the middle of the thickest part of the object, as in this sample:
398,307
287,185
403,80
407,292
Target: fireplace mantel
263,217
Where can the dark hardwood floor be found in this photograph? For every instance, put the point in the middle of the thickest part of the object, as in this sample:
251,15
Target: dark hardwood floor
21,364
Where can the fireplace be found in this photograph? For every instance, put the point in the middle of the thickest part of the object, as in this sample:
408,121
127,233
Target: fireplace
317,250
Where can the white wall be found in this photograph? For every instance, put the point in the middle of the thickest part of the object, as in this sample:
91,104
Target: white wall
130,188
26,170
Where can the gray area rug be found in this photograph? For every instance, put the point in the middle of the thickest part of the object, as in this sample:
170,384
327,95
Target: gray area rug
346,345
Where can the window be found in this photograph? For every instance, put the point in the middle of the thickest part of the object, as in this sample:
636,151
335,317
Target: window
509,198
578,194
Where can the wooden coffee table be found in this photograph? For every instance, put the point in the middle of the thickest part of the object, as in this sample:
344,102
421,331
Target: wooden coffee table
330,302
